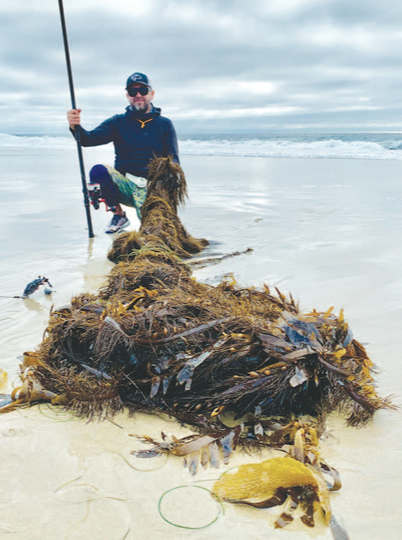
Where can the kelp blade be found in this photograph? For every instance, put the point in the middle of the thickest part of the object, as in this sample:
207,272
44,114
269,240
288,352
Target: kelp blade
261,480
258,483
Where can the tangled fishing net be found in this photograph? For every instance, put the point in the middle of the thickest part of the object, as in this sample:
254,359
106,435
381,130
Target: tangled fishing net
240,365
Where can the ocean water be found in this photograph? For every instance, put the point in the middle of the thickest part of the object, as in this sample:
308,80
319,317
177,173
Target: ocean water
313,145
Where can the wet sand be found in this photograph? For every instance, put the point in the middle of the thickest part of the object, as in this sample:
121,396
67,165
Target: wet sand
329,231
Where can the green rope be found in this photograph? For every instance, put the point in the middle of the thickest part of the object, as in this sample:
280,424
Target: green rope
220,509
225,472
69,482
18,410
101,499
136,468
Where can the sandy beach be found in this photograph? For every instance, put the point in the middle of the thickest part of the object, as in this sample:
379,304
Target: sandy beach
327,230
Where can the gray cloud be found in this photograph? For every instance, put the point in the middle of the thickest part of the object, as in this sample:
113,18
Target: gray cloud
216,66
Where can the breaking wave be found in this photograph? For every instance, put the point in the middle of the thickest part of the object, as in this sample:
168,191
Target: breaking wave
31,141
332,148
382,146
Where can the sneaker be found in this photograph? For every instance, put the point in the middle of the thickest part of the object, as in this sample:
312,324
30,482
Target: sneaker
117,223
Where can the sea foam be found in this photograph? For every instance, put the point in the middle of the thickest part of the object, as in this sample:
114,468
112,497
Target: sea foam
246,146
332,148
25,141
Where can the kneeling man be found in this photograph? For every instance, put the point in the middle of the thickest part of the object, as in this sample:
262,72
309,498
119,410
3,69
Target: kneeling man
139,135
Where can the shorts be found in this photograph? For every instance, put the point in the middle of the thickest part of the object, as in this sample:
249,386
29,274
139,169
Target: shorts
126,191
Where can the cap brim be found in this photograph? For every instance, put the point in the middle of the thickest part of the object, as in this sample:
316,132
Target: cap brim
142,84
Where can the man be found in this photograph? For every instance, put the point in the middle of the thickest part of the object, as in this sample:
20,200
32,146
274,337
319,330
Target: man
138,136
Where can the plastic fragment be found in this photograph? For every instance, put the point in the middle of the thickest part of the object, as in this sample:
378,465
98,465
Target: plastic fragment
298,378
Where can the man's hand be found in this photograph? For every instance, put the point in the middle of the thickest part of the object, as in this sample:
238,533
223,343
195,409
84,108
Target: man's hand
74,117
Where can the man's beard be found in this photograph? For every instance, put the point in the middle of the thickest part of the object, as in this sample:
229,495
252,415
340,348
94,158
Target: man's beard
141,107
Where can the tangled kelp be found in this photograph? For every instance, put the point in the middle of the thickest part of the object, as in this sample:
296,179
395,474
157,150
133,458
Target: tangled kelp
243,366
195,351
161,227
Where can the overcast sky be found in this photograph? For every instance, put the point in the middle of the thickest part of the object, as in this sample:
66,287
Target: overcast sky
217,66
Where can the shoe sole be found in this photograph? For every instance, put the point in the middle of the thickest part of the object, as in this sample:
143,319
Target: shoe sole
119,229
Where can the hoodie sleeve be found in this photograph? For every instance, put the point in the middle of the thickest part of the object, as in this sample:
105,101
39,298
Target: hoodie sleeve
171,144
102,134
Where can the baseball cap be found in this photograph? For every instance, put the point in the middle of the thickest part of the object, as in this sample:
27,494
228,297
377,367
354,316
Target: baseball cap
138,78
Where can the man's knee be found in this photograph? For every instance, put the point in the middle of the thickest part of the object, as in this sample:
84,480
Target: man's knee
98,174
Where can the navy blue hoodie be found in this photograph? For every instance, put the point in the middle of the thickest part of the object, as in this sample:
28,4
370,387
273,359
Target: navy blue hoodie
137,139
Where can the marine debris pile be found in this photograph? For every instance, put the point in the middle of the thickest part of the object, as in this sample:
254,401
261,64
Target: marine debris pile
243,366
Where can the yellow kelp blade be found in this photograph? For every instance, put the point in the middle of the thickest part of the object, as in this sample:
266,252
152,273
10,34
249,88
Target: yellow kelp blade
261,480
3,380
323,494
257,482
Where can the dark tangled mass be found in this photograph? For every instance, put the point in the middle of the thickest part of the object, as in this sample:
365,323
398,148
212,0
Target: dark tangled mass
241,365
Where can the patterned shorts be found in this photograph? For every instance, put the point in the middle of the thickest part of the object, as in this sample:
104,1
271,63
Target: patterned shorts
128,192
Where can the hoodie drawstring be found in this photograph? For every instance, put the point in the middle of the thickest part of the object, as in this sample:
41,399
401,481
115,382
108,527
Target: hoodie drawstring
143,122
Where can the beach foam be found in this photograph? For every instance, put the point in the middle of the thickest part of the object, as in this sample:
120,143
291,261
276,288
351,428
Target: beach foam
350,146
17,141
331,148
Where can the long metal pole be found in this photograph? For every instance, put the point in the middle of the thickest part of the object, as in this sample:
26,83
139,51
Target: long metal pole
77,134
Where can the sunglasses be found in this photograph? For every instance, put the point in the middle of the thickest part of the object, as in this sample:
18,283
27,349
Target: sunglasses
143,90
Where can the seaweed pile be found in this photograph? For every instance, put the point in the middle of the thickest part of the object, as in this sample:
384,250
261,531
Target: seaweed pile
241,365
